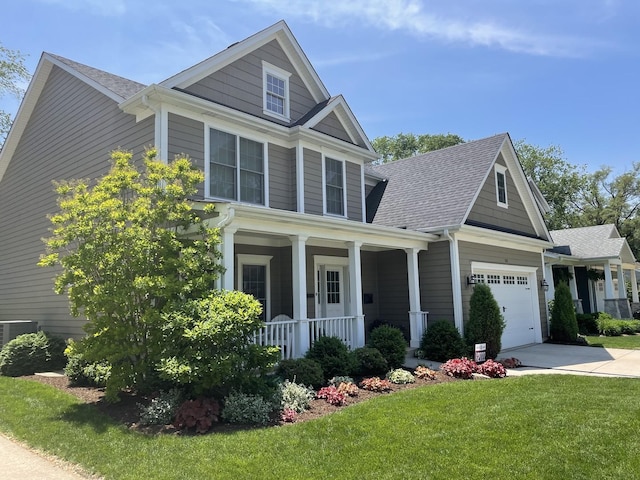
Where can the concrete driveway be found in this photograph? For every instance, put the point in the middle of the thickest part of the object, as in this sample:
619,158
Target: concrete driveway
575,360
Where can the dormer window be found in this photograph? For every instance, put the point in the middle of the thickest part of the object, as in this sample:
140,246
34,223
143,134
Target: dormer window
501,185
275,91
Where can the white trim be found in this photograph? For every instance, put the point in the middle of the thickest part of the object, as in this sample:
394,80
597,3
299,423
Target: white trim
456,283
502,267
325,260
344,186
261,260
280,74
501,170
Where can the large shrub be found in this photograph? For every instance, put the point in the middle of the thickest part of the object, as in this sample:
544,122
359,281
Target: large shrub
486,323
246,409
564,326
332,355
368,362
391,344
442,341
587,323
303,371
82,373
30,353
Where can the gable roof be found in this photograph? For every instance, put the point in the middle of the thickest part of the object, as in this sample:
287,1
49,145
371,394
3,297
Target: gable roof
595,242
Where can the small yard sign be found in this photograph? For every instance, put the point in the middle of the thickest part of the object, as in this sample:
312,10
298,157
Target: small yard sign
480,352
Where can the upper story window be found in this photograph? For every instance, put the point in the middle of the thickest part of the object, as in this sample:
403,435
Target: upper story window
501,185
334,186
275,91
236,168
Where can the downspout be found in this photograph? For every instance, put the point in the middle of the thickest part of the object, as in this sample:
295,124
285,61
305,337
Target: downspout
456,284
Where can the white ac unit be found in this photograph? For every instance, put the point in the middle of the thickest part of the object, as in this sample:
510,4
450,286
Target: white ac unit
10,329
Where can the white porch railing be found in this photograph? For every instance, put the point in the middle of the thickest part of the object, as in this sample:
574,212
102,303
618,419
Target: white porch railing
342,327
418,325
278,334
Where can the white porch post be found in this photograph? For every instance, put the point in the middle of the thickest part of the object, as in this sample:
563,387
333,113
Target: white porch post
622,286
573,286
228,259
415,317
608,282
355,282
299,268
634,285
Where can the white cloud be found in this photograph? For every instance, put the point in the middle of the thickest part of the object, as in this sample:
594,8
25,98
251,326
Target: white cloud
350,59
412,17
109,8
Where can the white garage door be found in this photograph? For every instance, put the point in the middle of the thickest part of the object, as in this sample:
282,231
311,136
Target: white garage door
515,293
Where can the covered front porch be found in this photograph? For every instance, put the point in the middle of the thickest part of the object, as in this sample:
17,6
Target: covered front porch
319,276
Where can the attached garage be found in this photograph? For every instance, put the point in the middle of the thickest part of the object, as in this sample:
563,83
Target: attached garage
515,290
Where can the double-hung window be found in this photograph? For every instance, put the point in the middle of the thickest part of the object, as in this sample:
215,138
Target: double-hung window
253,278
334,186
501,185
236,168
276,91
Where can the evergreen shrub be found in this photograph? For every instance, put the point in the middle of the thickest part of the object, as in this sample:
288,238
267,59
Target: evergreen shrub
442,341
391,343
564,326
30,353
486,322
332,355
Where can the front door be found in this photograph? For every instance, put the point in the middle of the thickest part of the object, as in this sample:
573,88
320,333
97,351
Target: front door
330,291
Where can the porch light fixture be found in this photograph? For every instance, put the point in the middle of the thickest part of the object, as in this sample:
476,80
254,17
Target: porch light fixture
471,280
544,284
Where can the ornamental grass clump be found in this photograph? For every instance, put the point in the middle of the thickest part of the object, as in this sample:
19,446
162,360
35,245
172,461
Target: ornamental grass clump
459,368
492,369
400,376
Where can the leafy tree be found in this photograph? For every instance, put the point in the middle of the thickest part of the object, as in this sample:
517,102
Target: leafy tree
405,145
12,72
486,322
564,326
561,183
126,259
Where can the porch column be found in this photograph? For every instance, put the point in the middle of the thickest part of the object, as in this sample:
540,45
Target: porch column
355,282
622,286
415,317
299,270
573,286
608,282
634,285
228,259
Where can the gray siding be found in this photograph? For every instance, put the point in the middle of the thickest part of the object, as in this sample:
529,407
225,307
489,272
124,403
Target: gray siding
71,132
332,126
393,286
354,191
280,278
312,182
487,211
282,178
435,282
239,85
470,252
371,311
186,136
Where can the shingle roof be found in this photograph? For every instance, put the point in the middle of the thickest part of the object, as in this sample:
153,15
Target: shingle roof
437,188
599,241
121,86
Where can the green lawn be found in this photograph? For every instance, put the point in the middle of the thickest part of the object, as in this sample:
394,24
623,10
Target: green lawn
630,342
530,427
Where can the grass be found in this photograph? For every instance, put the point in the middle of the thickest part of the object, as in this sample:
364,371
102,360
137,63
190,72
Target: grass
629,342
530,427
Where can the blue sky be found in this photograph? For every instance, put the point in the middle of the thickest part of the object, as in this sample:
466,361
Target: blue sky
561,72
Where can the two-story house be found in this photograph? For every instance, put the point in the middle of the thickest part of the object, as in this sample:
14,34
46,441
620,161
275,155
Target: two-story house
326,243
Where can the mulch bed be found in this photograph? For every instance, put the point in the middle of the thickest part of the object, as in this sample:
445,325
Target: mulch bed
127,410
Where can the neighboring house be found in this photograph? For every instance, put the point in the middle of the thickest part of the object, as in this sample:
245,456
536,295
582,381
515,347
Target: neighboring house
587,257
476,198
285,164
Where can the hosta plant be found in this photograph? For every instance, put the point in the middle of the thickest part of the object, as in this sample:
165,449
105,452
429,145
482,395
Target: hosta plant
375,384
459,368
332,395
200,414
400,376
424,373
492,369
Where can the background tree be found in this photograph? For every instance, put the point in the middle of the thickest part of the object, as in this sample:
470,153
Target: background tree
486,322
125,258
405,145
12,73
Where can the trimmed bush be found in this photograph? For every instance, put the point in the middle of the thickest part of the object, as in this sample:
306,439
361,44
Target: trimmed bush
303,371
332,355
30,353
587,323
564,326
391,344
246,409
486,322
442,341
368,361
